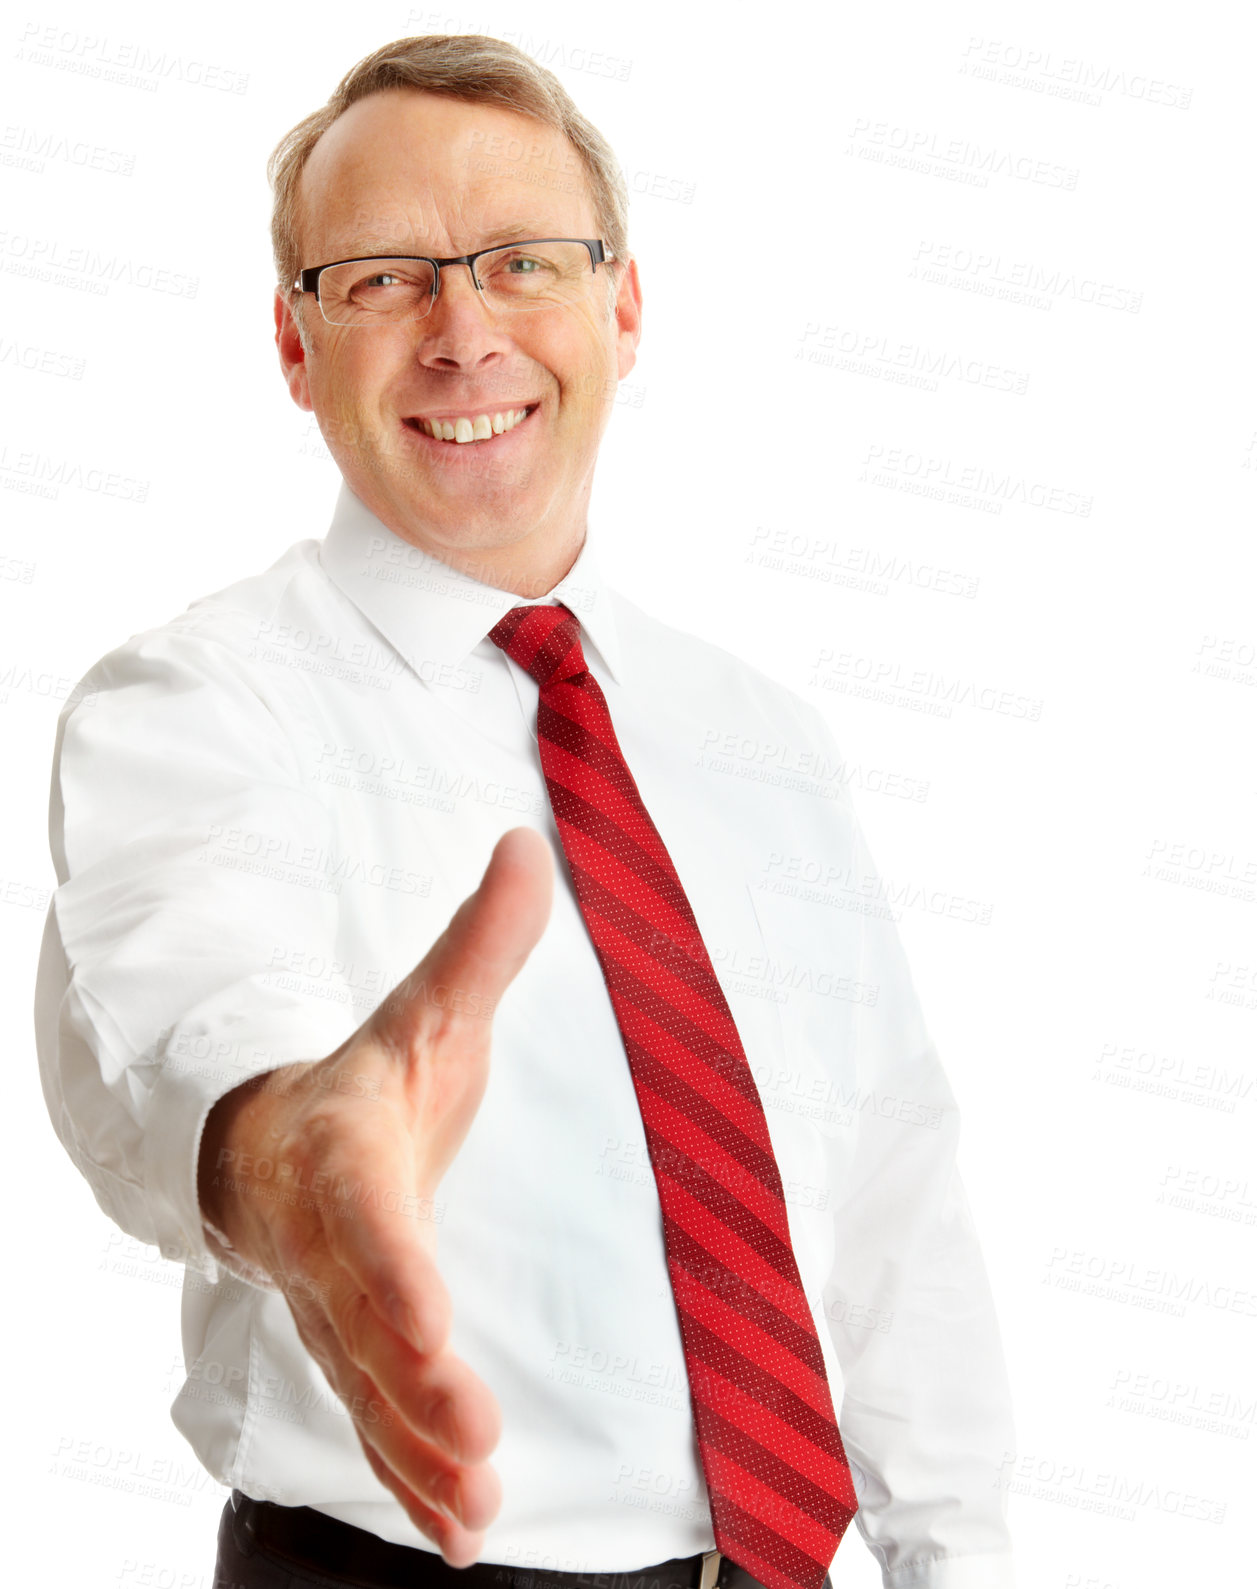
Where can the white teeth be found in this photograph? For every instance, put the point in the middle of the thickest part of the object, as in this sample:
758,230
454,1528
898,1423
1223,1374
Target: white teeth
479,427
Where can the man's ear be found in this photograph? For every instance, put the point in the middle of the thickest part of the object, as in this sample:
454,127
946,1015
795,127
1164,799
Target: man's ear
628,316
292,352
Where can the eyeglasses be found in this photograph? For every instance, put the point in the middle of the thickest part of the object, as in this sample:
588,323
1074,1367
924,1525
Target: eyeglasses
383,289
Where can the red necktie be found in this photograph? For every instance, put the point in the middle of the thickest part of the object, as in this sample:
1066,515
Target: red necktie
777,1478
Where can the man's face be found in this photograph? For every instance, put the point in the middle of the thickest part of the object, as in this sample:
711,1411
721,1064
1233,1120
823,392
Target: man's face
406,172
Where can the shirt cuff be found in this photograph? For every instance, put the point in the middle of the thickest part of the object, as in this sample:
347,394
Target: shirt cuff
182,1098
234,1262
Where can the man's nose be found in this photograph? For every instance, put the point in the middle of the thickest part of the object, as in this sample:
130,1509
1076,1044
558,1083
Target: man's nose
461,326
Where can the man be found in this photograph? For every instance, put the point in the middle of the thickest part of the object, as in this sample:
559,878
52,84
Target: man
651,1291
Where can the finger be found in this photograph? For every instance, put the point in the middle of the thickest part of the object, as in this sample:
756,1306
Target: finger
459,1546
441,1399
379,1228
470,1493
435,1393
459,981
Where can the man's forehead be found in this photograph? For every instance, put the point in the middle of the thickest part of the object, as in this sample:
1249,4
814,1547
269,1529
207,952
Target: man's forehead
407,168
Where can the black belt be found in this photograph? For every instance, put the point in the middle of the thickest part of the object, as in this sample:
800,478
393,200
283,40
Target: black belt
319,1543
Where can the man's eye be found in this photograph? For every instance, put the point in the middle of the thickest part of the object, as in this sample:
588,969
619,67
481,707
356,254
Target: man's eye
386,281
522,267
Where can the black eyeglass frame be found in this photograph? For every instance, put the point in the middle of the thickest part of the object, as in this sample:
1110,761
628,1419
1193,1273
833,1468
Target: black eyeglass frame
308,280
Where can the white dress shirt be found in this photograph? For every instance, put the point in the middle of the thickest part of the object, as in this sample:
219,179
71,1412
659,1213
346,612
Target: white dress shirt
264,812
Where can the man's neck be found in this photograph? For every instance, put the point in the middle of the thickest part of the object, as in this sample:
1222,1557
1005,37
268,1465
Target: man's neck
528,571
524,575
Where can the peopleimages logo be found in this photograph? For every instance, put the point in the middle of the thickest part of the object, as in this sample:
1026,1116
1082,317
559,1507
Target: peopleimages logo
1065,76
128,63
49,259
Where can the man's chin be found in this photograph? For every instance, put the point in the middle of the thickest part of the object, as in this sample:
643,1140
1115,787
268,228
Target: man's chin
456,527
469,514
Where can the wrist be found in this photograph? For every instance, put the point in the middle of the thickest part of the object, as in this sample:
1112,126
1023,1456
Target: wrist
239,1126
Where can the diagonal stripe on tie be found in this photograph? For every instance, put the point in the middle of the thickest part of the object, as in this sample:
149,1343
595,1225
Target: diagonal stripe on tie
777,1476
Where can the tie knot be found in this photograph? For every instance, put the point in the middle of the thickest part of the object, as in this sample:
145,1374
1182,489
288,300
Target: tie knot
545,641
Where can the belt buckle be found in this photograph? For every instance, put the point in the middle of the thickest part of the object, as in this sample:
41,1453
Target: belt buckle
711,1569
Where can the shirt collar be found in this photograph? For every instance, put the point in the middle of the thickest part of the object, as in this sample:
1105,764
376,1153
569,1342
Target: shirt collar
434,614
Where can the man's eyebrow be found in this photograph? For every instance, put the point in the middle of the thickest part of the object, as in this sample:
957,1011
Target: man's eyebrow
510,234
388,247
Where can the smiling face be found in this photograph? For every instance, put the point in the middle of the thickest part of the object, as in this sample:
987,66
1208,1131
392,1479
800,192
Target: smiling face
407,172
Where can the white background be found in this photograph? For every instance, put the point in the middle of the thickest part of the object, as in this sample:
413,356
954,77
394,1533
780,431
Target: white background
833,222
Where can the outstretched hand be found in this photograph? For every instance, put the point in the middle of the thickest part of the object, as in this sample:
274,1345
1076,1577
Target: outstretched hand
371,1130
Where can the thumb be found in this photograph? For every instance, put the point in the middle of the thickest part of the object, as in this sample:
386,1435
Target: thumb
462,977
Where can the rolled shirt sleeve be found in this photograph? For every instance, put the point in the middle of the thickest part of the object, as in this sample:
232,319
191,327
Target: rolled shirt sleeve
926,1414
174,782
